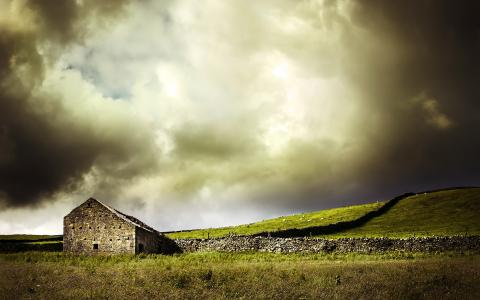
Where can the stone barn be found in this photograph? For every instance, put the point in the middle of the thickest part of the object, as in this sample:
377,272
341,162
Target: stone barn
96,228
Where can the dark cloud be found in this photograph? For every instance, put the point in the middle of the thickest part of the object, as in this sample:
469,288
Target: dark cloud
68,21
431,54
416,67
46,148
203,141
409,69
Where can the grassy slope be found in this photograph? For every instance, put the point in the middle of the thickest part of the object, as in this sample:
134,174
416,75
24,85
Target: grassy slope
240,276
30,242
449,212
27,237
305,220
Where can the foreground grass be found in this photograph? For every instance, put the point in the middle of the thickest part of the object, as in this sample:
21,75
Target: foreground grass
305,220
448,212
43,275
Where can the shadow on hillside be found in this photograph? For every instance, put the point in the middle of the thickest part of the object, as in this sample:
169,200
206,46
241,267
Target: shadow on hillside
54,244
337,227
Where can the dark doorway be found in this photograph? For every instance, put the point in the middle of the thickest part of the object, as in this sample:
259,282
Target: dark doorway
140,248
95,246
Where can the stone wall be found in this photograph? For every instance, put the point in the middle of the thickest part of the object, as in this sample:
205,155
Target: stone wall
313,245
92,224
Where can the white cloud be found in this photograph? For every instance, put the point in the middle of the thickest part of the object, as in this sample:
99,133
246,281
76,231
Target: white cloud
256,91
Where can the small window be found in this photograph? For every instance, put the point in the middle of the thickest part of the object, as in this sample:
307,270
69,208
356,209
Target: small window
120,227
95,246
89,227
110,240
81,227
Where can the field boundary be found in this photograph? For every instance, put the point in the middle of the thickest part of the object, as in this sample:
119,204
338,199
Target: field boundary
315,245
336,227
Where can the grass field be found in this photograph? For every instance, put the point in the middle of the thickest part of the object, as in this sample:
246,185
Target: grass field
447,212
389,275
42,275
28,237
30,242
319,218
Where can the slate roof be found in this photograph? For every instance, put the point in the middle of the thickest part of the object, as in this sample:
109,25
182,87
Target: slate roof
129,219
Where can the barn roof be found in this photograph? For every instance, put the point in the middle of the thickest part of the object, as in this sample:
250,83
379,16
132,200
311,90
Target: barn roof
129,219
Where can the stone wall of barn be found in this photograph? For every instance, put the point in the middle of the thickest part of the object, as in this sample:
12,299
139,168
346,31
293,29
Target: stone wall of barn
93,229
147,241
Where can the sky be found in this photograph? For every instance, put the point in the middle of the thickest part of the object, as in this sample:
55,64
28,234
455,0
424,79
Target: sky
194,114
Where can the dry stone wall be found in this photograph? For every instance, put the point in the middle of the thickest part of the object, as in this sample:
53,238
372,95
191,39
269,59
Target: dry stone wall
314,245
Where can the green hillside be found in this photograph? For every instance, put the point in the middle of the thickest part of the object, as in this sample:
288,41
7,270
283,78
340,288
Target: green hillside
29,237
30,242
446,212
305,220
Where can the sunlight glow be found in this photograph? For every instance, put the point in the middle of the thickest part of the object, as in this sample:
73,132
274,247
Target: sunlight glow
280,71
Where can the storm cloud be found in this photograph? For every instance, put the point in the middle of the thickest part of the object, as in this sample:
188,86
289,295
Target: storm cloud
208,113
47,145
426,91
